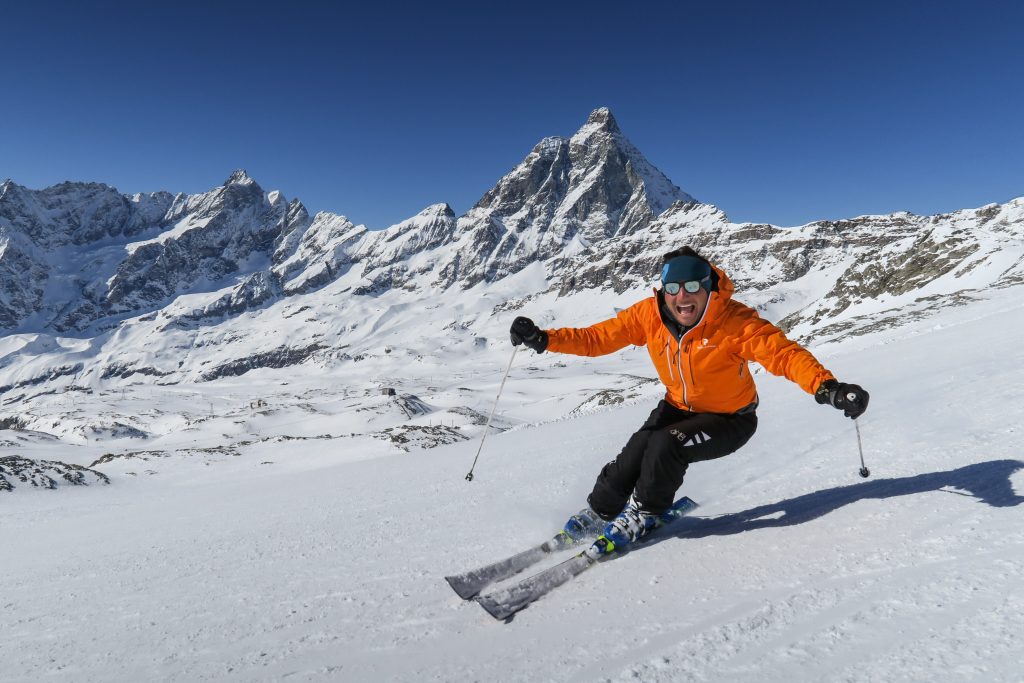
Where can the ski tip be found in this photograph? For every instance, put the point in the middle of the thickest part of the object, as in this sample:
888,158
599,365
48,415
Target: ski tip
462,589
499,611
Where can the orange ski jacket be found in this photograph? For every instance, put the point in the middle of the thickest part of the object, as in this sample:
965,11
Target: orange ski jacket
705,369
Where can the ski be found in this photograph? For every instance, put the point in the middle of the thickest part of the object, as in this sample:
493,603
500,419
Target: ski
469,584
505,602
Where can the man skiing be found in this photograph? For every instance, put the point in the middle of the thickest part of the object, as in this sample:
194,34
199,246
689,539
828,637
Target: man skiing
700,340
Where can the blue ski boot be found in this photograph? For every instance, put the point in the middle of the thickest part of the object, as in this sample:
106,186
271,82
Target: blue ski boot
584,523
580,526
631,524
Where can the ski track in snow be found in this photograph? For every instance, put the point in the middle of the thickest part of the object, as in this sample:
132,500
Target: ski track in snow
798,633
793,569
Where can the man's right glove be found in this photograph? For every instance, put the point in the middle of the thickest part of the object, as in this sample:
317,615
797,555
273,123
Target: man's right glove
523,331
849,398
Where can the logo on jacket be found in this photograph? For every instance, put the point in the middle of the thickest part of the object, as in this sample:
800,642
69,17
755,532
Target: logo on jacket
690,440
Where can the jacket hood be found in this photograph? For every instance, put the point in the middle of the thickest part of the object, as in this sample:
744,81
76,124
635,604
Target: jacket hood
723,284
721,292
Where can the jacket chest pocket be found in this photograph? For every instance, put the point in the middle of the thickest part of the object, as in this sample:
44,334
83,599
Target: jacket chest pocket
685,361
667,360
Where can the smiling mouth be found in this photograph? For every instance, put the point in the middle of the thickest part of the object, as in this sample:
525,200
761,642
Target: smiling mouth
686,309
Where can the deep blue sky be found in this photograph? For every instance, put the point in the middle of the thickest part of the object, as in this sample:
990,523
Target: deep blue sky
781,112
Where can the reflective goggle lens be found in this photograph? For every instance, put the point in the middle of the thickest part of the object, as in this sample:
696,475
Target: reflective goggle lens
690,286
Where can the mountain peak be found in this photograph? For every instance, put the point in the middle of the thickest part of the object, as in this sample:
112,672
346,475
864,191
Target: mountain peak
438,210
239,177
587,188
602,116
600,121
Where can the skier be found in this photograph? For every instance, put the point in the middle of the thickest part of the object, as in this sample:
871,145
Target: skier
700,340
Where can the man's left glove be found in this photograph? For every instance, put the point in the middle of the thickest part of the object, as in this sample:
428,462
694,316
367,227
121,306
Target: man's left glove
523,331
849,398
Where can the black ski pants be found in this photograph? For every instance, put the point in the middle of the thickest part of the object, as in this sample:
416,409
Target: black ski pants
654,460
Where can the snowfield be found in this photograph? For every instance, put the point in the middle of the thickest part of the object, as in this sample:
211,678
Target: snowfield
308,561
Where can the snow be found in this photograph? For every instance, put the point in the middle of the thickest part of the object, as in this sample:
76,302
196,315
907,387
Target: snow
302,557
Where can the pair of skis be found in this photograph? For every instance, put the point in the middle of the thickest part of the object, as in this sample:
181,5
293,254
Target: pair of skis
504,602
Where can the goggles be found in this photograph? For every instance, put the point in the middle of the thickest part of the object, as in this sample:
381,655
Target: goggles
691,286
687,272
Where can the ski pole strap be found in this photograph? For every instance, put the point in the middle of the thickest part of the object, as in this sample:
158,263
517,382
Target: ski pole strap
487,427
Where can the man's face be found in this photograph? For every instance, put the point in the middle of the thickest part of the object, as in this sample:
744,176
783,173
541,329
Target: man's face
685,307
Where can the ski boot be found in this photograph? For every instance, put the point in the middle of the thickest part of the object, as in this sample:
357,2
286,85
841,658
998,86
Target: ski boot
584,523
581,525
631,524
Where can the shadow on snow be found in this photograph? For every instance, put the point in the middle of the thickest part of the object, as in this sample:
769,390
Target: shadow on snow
988,482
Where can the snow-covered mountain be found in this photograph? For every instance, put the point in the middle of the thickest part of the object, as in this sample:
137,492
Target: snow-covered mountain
101,291
80,258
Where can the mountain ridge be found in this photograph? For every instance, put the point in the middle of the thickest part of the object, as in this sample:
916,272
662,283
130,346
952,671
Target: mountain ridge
173,287
192,243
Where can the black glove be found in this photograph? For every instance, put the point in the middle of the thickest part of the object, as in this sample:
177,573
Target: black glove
523,331
849,398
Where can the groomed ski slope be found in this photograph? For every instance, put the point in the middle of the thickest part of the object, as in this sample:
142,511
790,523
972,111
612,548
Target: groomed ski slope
794,568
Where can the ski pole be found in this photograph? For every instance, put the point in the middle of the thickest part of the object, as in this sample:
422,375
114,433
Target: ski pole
487,427
864,471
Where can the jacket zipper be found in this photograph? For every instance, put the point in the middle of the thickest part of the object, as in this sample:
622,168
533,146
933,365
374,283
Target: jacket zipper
689,362
679,353
682,377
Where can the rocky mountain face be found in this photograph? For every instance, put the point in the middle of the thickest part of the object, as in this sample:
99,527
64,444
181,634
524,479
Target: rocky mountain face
48,474
586,214
565,196
826,278
78,257
577,192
